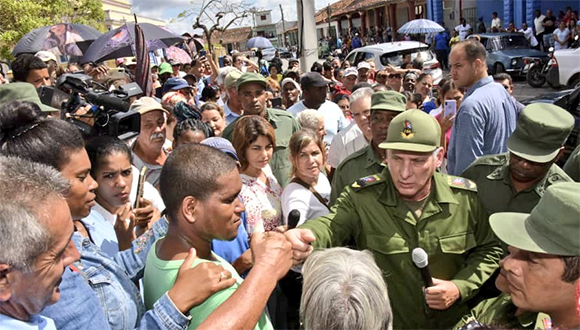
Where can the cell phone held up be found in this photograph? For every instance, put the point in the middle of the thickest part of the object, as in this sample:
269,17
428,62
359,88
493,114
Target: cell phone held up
449,108
140,187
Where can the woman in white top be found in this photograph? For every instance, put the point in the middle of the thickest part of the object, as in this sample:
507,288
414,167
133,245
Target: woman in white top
254,140
114,222
561,36
309,190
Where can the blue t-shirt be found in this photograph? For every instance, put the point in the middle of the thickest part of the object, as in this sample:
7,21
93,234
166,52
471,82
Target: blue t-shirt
441,41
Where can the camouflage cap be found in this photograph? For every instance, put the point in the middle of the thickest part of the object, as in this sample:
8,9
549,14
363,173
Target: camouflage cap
413,130
552,227
388,101
250,77
23,91
541,130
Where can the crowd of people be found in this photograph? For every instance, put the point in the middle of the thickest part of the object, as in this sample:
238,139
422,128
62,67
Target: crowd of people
289,200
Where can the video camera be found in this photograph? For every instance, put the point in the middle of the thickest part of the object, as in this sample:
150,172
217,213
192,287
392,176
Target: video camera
110,109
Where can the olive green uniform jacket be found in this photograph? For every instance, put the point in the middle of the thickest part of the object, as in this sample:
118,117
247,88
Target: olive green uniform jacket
495,188
284,126
500,312
361,163
572,166
453,230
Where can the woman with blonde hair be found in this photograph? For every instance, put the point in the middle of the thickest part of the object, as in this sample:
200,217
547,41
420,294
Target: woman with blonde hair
213,115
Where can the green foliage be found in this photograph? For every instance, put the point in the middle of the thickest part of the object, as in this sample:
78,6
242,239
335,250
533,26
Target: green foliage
19,17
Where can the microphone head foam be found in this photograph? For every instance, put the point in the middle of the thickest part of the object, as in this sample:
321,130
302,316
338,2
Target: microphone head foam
420,257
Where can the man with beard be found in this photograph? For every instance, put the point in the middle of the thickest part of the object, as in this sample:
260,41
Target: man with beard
148,147
515,181
368,160
36,246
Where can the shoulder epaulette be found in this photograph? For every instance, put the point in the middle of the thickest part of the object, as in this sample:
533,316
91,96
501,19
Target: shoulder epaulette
461,183
367,181
492,160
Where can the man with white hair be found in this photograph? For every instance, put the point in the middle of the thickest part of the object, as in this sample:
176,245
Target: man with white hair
339,285
36,247
233,106
221,80
410,205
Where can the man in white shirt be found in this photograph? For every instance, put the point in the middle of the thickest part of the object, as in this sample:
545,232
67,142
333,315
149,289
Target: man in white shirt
495,21
358,134
36,245
314,89
462,29
539,27
529,34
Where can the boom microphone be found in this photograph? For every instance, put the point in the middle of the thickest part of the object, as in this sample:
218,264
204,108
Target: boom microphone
421,260
293,219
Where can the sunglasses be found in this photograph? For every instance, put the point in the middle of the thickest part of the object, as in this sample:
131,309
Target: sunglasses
394,76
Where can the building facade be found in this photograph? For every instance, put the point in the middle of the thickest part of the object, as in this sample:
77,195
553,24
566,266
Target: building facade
118,12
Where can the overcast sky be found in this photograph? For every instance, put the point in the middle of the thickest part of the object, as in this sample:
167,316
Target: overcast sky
169,9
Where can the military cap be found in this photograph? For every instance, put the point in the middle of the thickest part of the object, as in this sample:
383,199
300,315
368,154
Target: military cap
23,91
250,77
540,131
231,78
553,226
389,101
413,130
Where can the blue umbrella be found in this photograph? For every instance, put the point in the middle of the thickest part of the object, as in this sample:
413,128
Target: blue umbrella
259,42
420,26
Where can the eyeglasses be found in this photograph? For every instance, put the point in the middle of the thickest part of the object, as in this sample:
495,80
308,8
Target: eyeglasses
394,76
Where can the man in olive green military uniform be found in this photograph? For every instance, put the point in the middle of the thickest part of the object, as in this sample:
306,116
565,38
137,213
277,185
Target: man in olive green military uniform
252,94
406,206
572,166
542,271
515,181
369,160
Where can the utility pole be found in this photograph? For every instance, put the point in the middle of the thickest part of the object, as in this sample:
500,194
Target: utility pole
328,12
283,27
308,50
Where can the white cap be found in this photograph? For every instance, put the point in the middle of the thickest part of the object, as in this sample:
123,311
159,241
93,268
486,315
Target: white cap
290,80
46,56
350,72
363,65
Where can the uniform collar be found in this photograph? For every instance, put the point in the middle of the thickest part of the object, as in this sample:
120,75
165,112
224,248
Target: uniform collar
442,194
272,118
503,173
371,158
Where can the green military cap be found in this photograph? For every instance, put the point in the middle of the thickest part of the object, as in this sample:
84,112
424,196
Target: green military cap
164,68
22,91
389,101
540,132
413,130
231,78
250,77
553,227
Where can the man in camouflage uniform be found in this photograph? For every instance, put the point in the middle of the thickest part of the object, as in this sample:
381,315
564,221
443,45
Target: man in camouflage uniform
515,181
369,160
410,205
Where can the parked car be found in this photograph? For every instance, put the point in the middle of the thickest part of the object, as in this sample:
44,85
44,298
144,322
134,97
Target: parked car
569,100
505,51
285,53
268,53
565,70
391,53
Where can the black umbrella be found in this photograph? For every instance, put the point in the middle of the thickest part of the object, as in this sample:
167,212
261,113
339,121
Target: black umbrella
60,39
120,42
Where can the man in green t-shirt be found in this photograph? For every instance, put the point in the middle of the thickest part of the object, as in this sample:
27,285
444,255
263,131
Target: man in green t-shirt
200,186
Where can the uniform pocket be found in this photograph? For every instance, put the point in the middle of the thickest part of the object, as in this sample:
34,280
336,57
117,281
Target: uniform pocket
457,243
385,245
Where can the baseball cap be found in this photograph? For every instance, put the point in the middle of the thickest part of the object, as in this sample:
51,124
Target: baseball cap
413,130
552,227
540,131
313,79
363,65
165,68
389,101
290,80
146,104
23,91
174,84
222,145
250,77
46,56
350,72
290,74
173,62
231,78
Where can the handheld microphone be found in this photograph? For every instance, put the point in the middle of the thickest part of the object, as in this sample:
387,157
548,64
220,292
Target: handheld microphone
421,260
293,219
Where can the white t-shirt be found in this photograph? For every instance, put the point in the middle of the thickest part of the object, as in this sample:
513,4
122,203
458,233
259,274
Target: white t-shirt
334,120
561,36
37,322
345,143
462,31
496,22
538,24
296,197
529,34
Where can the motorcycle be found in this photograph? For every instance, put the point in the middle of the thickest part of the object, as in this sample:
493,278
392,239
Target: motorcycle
536,69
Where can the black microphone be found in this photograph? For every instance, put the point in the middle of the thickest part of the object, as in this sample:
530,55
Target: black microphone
421,260
293,219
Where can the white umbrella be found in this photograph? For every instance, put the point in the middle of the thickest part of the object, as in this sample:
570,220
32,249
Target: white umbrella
420,26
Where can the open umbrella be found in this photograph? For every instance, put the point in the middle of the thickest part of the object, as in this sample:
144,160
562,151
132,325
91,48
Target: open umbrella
177,54
259,42
420,26
120,42
60,39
